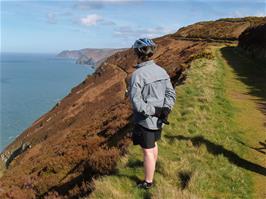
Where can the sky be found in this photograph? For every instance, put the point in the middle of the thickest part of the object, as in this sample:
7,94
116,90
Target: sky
49,26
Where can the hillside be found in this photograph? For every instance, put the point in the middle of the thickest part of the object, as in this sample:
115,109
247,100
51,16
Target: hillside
227,29
253,40
84,135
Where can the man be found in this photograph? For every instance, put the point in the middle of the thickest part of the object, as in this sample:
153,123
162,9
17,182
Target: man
152,96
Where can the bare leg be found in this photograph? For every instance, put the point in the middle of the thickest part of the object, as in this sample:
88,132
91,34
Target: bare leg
155,152
149,164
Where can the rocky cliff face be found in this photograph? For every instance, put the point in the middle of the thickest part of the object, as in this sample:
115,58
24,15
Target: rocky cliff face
253,40
85,133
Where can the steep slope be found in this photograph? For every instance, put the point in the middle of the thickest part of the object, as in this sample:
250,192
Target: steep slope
72,142
85,133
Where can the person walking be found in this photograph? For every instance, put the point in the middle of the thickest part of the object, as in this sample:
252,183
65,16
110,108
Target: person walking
152,97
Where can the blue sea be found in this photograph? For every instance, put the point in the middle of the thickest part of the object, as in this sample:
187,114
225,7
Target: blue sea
31,84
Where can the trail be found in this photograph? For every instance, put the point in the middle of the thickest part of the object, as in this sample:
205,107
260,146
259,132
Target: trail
246,89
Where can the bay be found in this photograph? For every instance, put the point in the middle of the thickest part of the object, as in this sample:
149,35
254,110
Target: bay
31,84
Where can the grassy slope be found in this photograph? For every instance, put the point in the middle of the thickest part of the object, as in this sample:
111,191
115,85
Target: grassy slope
200,153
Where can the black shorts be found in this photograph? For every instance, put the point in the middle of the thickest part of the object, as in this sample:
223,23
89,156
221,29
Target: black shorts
145,137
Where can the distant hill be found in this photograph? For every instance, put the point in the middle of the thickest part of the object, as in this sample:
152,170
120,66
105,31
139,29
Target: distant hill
73,54
83,59
96,56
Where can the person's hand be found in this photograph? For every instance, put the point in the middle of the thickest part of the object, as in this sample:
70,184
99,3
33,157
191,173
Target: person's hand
162,113
158,111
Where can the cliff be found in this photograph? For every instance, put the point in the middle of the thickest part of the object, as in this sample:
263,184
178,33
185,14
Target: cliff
85,133
83,59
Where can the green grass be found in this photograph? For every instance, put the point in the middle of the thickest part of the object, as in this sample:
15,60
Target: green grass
246,78
199,146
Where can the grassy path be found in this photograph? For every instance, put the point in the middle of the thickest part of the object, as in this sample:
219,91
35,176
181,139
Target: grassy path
207,150
246,83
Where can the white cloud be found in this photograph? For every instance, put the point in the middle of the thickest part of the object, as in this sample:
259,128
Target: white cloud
90,20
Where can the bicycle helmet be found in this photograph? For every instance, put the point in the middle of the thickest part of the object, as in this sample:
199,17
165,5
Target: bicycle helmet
144,46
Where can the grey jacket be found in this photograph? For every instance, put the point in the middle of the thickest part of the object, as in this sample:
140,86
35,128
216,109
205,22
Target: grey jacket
150,86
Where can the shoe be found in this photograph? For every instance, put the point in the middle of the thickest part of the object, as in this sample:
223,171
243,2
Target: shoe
145,185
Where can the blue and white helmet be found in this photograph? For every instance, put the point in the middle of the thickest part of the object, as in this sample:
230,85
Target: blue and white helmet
144,46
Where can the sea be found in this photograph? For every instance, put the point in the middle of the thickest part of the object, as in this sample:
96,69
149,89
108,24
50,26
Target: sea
30,85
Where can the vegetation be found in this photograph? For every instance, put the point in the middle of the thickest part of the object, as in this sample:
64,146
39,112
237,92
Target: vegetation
227,29
250,19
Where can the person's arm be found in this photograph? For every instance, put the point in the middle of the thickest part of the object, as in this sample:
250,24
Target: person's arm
136,86
170,95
